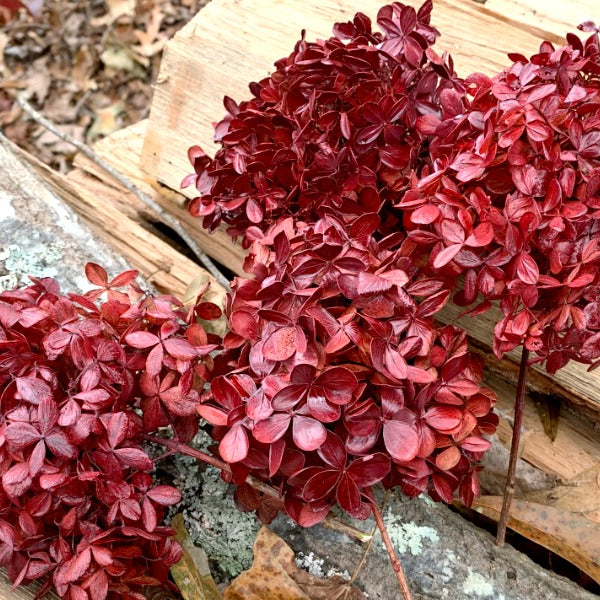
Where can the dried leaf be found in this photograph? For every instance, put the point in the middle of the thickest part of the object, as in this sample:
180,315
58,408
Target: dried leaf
191,573
274,576
548,407
571,535
121,59
581,496
151,41
84,64
38,81
106,121
118,8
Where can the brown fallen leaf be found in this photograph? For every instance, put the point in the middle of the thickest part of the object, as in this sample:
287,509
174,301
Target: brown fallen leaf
548,407
275,576
38,81
105,121
191,573
569,534
123,59
118,8
581,496
151,41
84,64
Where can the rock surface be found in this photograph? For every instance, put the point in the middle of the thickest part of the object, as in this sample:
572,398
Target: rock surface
445,557
39,234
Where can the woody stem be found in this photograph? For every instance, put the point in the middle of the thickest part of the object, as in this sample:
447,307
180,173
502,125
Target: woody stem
509,490
396,565
176,447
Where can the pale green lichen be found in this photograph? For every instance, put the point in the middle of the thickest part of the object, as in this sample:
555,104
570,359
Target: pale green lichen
408,537
316,566
211,518
477,585
16,264
427,499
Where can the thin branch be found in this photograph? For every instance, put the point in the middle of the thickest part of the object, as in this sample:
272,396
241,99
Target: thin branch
363,559
396,564
509,490
162,214
175,446
341,527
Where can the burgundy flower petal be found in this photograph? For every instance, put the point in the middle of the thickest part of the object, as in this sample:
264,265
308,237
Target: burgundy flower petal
234,446
400,440
272,429
308,434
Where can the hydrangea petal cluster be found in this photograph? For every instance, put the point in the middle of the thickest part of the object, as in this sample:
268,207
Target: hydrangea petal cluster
510,198
340,124
335,376
81,381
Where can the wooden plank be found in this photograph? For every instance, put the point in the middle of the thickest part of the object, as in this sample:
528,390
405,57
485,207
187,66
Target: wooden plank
232,42
123,149
556,16
20,593
156,260
575,449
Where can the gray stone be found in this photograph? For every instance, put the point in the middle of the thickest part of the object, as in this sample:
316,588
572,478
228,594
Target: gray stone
444,557
39,234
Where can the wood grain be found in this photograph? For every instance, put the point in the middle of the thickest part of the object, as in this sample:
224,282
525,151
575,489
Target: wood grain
556,16
123,149
20,593
157,261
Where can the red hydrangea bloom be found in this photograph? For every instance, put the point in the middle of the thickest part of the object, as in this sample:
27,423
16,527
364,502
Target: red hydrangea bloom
510,198
357,364
76,501
334,127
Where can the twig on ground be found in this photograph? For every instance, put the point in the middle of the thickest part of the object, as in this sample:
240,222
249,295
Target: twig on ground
260,486
162,214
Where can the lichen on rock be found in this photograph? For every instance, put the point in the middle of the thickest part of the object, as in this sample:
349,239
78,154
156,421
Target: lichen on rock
17,263
211,517
408,536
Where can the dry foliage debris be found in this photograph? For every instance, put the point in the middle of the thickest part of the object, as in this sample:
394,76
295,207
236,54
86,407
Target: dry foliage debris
272,576
87,65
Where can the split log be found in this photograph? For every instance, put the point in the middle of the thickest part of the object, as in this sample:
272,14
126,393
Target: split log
556,16
135,239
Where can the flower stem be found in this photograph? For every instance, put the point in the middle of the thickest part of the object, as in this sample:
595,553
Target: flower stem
363,559
509,490
396,565
176,447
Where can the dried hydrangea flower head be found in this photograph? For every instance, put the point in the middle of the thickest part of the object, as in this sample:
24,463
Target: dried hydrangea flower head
82,379
333,128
